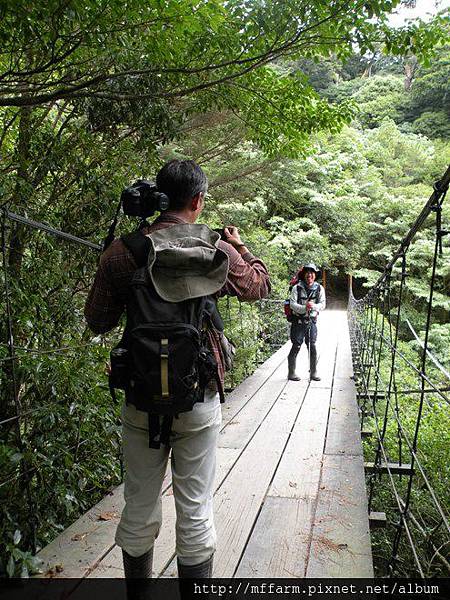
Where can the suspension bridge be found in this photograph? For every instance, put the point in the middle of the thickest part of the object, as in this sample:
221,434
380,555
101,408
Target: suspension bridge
295,494
290,496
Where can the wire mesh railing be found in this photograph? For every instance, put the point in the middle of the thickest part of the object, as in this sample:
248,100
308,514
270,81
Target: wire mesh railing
59,428
403,392
257,330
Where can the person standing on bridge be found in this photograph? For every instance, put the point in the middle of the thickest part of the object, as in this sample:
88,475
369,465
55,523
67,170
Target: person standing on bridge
306,301
193,434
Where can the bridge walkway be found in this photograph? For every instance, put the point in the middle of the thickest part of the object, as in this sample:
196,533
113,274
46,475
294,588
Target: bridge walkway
290,498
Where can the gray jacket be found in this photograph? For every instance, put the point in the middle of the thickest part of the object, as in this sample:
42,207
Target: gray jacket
299,298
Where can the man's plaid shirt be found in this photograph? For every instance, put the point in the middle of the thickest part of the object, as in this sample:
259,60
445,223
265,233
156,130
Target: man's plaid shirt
247,279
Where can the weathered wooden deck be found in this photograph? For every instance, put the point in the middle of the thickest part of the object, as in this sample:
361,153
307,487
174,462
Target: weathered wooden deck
290,497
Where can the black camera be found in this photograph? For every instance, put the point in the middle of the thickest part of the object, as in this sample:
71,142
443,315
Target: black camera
221,232
142,199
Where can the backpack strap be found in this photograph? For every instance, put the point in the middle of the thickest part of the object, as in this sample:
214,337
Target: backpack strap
159,432
211,311
139,246
313,293
302,287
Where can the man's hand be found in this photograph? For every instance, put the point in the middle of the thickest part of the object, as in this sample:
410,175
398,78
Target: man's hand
309,305
233,237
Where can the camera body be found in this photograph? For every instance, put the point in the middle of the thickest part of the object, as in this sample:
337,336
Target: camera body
221,232
142,199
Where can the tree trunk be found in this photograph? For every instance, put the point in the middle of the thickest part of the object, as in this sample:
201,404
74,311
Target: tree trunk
16,242
17,239
410,69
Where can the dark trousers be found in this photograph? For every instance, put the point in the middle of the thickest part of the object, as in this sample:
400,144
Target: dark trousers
300,330
303,330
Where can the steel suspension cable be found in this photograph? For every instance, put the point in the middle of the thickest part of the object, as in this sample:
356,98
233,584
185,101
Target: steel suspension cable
434,388
51,230
442,369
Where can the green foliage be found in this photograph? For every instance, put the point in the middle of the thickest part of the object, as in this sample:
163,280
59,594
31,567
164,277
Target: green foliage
439,342
64,455
402,159
419,38
377,98
257,330
20,563
300,241
289,104
427,108
432,124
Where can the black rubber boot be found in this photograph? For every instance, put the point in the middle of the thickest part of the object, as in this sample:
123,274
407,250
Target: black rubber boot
292,359
313,364
190,572
138,569
201,571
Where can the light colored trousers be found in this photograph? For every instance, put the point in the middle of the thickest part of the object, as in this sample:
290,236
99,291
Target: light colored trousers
193,440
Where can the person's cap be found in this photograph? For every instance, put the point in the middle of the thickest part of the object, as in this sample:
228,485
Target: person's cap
184,262
309,267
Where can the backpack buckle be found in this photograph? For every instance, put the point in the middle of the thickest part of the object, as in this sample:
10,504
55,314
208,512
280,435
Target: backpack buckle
164,352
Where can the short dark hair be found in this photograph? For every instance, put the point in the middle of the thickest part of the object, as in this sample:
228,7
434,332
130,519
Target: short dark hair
181,180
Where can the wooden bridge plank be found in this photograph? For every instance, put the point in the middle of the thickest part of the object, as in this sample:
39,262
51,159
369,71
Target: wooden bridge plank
84,543
329,328
241,427
344,430
278,533
238,500
250,386
110,566
272,488
298,473
344,363
340,536
279,543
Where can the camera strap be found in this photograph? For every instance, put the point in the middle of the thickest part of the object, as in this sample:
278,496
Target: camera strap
139,246
110,237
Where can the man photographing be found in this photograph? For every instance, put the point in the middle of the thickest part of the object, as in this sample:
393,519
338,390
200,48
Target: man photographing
186,266
306,301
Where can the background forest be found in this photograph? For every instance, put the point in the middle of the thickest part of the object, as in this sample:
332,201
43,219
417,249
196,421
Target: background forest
315,152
